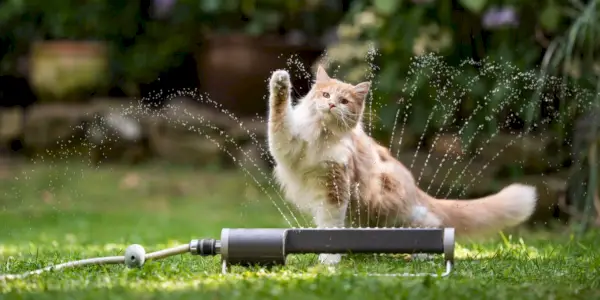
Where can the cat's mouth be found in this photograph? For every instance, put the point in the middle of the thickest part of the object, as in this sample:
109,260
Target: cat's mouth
332,118
328,112
328,109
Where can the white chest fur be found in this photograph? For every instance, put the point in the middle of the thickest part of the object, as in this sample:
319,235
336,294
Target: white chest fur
301,173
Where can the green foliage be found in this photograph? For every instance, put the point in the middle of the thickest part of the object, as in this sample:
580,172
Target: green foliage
386,7
417,29
142,45
574,55
118,23
469,31
550,17
475,6
551,38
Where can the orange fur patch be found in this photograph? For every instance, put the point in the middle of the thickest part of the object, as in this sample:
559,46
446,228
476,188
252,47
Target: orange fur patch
337,183
387,182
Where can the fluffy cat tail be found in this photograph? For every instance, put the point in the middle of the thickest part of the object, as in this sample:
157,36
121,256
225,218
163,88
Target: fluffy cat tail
510,207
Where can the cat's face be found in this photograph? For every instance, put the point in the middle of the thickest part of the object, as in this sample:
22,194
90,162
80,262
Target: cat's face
338,105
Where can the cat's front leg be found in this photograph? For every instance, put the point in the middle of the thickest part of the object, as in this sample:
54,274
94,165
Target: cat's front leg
280,106
332,211
330,216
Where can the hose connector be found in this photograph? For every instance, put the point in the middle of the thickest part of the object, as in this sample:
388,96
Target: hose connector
205,247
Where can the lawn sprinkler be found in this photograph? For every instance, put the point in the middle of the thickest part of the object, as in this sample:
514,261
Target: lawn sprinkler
270,246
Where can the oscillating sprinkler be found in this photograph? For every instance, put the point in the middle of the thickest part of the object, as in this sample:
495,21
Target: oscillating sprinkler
271,246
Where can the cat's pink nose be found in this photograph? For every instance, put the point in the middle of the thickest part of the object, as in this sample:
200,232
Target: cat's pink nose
331,105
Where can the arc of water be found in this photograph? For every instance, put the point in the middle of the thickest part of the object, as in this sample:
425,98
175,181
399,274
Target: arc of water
193,94
472,159
454,104
415,65
521,110
520,135
485,71
455,139
244,169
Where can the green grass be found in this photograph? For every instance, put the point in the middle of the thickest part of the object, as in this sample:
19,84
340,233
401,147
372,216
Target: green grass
54,214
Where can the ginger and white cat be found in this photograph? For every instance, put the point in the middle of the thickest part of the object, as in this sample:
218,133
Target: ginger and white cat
329,167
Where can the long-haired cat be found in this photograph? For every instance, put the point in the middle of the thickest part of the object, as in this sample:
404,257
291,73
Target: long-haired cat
329,167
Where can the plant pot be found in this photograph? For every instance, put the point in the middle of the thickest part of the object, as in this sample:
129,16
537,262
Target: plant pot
234,70
66,70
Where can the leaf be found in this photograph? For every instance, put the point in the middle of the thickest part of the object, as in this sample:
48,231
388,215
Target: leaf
248,6
475,6
210,6
550,16
386,6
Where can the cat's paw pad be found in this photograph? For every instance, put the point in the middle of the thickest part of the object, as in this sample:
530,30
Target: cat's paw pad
280,80
330,259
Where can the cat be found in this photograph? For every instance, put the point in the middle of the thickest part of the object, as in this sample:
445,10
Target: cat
329,167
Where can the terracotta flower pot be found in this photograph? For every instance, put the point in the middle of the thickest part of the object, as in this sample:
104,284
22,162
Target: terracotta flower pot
65,70
234,69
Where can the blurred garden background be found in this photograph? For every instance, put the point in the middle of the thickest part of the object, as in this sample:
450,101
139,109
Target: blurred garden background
470,94
143,121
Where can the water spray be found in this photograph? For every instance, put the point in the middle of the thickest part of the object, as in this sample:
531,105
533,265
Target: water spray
271,246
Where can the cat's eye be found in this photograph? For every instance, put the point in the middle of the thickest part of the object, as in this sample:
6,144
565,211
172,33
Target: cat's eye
326,94
344,101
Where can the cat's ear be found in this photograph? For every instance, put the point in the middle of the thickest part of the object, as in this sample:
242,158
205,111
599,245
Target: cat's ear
362,89
322,74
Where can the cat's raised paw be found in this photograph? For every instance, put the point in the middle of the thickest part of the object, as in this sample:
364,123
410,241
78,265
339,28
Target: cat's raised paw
330,259
280,80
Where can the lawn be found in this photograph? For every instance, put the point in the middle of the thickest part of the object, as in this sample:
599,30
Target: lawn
55,213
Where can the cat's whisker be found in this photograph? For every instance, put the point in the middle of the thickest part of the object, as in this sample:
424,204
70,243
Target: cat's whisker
371,115
344,118
296,91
